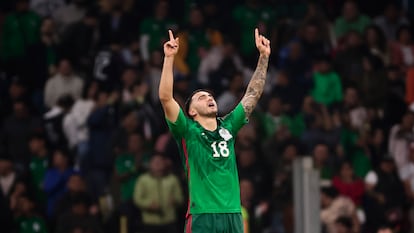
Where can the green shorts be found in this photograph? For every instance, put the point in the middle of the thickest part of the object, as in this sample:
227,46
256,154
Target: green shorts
214,223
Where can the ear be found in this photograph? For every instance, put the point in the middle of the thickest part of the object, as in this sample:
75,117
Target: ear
192,112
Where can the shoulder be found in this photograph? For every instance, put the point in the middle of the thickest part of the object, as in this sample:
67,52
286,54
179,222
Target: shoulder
365,18
34,16
171,177
336,180
144,177
9,19
145,23
54,79
78,79
339,21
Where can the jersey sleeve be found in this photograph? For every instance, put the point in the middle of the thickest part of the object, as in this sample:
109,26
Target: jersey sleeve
237,118
179,127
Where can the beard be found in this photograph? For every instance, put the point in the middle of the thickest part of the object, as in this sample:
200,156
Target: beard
208,114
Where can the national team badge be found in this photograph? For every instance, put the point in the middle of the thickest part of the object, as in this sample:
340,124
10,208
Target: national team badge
225,134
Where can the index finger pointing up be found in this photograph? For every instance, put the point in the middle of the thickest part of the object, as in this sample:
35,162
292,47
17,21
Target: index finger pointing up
256,33
171,35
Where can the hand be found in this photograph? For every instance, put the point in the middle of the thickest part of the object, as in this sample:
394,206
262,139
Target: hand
93,210
171,46
381,198
113,97
154,207
262,43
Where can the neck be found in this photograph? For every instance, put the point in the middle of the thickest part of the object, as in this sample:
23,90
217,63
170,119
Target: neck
61,168
42,153
156,174
208,123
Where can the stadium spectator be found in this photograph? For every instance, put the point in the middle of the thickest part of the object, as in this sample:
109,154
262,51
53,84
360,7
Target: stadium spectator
158,195
246,17
391,20
384,195
53,122
348,184
46,8
377,43
101,123
402,49
351,19
343,225
229,98
327,87
70,13
335,206
55,180
217,66
80,41
38,166
78,218
74,122
64,82
16,130
28,219
401,135
76,188
195,40
16,40
152,29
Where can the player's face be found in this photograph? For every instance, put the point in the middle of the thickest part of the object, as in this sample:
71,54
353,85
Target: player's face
203,104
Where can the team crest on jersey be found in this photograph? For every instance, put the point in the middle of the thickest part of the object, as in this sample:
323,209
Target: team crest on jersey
225,134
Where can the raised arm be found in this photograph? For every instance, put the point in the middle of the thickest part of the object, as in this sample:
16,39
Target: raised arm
256,84
165,91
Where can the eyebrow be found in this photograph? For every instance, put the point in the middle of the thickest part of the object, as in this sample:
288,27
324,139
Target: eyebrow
203,95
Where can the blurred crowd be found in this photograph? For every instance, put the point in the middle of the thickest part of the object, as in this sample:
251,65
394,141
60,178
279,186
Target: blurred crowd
84,147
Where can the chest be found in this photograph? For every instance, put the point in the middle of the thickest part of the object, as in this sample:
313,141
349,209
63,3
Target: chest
211,146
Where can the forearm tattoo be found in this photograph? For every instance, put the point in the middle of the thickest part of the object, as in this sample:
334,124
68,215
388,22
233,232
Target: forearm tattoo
256,85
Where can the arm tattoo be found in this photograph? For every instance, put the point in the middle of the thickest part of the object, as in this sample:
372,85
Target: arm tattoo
256,85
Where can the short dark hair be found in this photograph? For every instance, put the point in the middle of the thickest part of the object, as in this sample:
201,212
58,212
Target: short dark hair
402,28
331,191
190,98
345,221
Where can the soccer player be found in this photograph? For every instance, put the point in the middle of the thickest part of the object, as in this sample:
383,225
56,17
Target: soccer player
206,144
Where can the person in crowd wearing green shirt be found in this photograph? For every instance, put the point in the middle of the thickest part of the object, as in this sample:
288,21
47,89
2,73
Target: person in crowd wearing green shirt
152,29
274,117
158,194
129,165
321,160
21,29
247,17
327,88
350,20
206,144
27,220
195,40
39,163
354,143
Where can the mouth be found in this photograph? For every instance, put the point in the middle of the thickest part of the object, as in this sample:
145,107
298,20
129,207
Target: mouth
211,105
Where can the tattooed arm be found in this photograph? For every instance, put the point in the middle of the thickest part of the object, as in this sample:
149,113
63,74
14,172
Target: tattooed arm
256,84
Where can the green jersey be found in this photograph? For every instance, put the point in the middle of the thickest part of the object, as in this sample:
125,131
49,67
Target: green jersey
38,168
210,162
125,164
156,31
31,224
